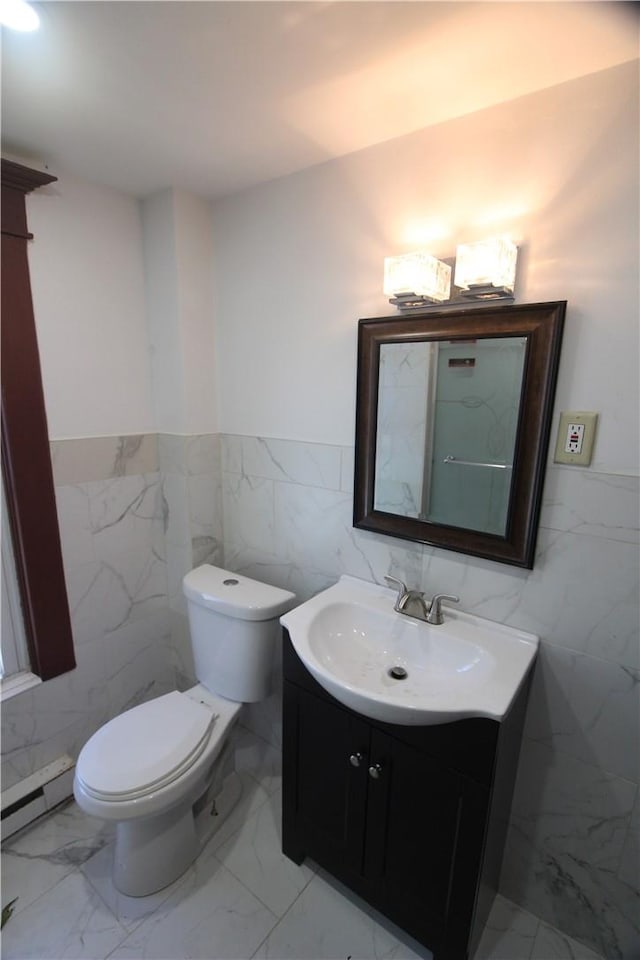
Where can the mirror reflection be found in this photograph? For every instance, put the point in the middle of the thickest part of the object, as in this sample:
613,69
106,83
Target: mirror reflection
447,419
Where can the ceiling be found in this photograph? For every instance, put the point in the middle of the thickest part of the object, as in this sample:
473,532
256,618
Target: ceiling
215,96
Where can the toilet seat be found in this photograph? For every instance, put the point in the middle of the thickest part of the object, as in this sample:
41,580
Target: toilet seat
145,748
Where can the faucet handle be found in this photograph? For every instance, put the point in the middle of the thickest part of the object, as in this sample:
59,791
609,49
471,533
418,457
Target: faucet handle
435,612
401,588
393,581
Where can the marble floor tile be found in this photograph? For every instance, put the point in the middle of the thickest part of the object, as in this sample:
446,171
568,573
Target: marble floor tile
69,921
550,944
509,934
254,856
252,797
23,882
210,915
129,911
37,858
327,923
240,899
259,758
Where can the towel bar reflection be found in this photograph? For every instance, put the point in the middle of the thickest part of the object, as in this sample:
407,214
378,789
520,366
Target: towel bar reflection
477,463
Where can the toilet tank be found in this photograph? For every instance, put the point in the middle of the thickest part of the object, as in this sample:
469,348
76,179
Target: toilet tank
234,626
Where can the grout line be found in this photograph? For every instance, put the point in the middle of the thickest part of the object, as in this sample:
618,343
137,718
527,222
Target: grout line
284,915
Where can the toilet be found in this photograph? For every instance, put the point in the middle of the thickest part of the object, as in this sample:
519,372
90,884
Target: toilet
164,770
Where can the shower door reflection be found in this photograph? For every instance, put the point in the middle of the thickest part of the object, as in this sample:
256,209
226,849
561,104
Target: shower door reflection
447,426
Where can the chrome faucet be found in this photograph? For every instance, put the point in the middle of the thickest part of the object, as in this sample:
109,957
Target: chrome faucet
435,614
428,610
408,598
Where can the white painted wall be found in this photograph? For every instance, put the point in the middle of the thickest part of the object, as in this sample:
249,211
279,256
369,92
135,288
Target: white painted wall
88,296
161,286
177,240
194,256
122,296
299,260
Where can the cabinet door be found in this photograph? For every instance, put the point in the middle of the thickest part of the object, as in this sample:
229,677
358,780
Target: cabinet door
414,812
328,750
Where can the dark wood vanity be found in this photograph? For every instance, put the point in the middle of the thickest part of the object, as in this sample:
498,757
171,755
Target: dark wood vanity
412,819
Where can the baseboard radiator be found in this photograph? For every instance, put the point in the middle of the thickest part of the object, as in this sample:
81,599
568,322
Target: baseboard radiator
38,793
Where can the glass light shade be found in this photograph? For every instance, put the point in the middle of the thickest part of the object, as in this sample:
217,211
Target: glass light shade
418,273
486,263
18,15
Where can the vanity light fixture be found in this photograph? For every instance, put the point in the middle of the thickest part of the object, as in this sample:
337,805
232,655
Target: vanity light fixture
486,270
415,280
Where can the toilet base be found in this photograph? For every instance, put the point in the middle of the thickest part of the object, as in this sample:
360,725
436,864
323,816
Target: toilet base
153,852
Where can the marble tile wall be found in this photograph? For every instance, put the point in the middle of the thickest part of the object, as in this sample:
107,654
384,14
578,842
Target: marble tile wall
572,852
137,513
109,503
191,473
192,492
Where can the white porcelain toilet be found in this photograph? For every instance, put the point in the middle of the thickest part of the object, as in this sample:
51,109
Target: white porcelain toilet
164,770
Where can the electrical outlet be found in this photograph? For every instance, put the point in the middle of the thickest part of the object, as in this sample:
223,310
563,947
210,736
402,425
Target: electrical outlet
576,433
574,438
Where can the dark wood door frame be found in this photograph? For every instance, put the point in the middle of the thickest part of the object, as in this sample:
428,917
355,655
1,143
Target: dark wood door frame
26,461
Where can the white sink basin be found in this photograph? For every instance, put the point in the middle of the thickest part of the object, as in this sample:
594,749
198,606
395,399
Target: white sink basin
390,667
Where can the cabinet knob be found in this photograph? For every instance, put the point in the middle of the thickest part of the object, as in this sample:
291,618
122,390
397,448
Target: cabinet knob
356,759
375,771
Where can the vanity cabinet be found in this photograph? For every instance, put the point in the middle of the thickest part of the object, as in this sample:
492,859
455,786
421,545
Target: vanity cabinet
413,819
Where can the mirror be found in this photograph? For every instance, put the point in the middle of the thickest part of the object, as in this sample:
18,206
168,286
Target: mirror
452,426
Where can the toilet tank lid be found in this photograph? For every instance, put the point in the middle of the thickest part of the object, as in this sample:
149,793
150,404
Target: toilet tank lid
236,596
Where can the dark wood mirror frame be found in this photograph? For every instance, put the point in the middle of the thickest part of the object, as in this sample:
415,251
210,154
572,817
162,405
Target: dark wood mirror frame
541,324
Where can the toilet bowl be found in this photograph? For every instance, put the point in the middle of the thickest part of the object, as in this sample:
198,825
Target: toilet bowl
145,769
164,771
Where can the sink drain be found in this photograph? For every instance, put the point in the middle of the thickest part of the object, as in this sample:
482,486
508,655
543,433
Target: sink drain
397,673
